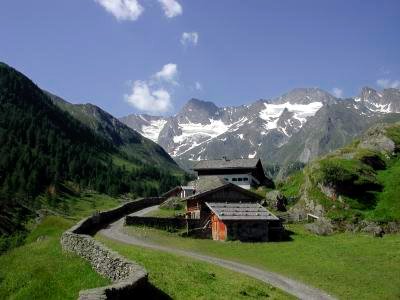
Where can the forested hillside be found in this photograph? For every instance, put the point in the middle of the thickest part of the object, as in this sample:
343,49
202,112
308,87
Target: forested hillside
42,146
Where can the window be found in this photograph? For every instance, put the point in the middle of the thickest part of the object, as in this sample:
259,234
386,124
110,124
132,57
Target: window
245,179
240,179
227,179
234,179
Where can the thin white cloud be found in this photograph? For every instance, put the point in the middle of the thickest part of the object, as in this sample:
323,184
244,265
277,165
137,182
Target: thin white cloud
189,38
171,8
387,83
123,10
198,86
168,73
337,92
384,71
145,99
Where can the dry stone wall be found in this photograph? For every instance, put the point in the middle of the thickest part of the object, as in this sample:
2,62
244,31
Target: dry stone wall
163,223
129,279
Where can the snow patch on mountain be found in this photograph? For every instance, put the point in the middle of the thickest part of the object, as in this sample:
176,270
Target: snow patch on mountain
152,131
272,112
214,129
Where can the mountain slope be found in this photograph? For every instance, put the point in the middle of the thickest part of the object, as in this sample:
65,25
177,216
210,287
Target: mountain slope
296,127
42,146
138,148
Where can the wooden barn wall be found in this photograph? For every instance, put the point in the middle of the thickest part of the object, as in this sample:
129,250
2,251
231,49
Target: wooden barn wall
192,205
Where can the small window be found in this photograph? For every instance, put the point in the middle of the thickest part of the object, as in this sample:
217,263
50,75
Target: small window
227,179
234,179
245,179
240,179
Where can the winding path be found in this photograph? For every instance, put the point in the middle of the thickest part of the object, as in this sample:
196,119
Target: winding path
295,288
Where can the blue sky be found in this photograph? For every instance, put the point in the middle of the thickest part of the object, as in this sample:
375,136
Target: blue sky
132,56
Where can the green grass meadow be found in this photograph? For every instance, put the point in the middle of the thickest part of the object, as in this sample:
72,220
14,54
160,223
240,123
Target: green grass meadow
346,265
41,270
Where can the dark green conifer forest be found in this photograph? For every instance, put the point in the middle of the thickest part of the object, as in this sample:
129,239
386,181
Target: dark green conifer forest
42,146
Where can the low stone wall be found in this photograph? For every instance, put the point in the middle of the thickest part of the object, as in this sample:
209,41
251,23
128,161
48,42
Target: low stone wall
163,223
128,278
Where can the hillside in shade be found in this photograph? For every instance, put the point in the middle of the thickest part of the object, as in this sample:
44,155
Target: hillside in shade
43,146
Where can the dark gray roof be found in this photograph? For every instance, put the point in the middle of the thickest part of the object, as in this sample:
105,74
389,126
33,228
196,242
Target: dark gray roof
227,164
241,211
207,183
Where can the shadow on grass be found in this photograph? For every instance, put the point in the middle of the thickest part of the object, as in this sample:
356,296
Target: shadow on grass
144,291
287,236
151,292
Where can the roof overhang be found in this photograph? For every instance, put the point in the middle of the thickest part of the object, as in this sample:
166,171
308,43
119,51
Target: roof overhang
241,211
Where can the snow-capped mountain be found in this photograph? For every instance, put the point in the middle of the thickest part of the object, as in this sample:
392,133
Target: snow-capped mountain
297,126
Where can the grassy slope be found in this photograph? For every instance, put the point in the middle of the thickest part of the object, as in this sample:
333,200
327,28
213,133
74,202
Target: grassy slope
350,266
40,270
184,278
166,213
291,187
77,207
359,174
388,206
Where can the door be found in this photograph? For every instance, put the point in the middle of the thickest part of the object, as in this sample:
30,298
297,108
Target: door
221,231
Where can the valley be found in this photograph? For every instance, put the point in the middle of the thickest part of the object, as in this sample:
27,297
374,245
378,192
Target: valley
171,149
335,159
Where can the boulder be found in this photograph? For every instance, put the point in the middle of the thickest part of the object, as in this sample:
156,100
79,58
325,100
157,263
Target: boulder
321,226
374,229
379,143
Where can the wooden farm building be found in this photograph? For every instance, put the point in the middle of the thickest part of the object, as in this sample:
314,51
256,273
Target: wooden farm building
231,212
241,221
245,173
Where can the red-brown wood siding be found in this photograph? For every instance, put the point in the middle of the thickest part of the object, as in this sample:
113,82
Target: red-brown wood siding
218,228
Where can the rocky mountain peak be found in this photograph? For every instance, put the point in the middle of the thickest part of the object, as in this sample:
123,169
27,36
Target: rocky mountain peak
368,93
200,104
306,96
197,111
388,101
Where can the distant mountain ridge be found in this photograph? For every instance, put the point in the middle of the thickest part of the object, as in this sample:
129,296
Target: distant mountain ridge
116,132
297,126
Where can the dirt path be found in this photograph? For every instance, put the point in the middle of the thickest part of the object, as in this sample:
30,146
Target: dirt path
300,290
